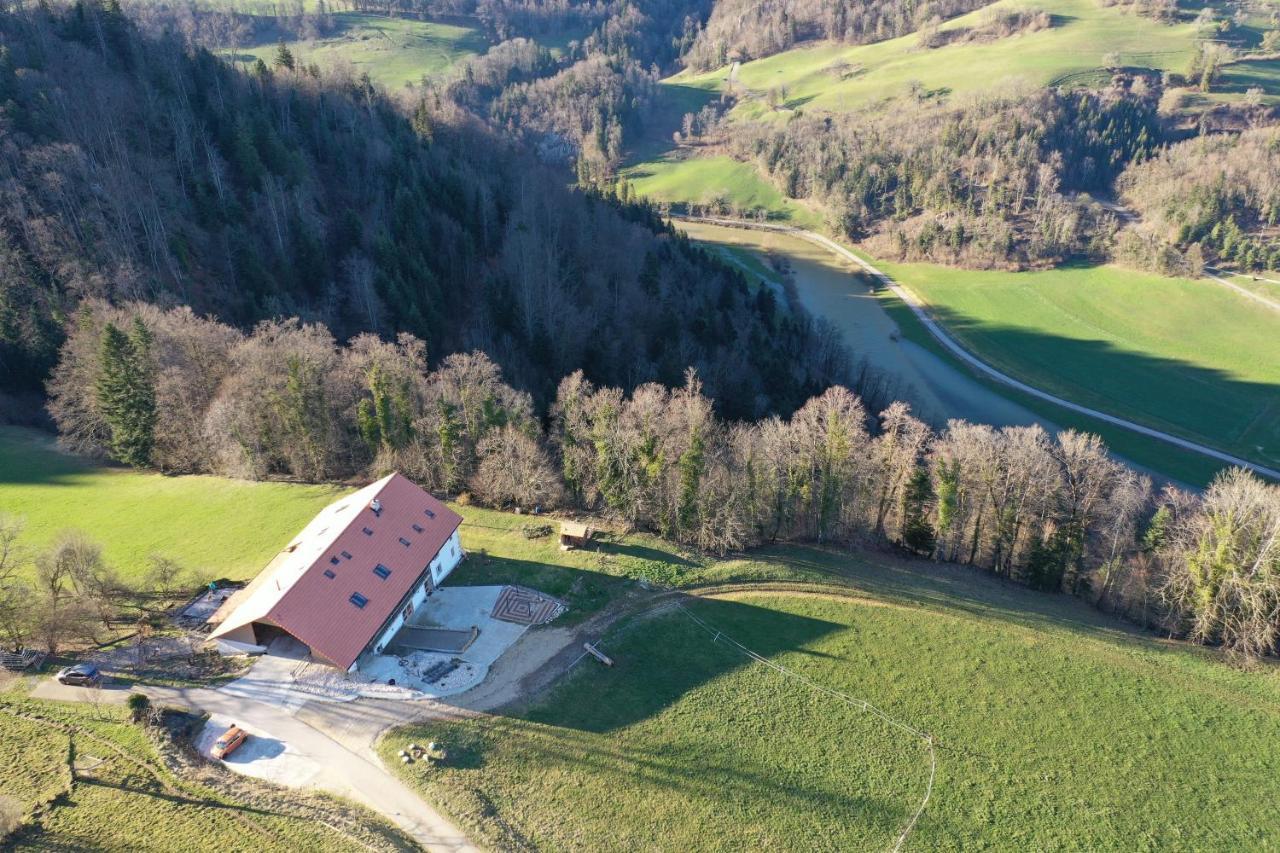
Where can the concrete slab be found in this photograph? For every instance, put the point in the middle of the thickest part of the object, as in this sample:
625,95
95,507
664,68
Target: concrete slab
261,756
207,604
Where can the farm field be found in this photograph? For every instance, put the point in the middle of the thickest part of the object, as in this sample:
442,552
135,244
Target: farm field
123,797
218,527
938,386
393,51
1185,356
720,180
835,77
1055,728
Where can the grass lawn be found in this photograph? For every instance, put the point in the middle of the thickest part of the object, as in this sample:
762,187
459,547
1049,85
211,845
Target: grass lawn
1056,729
394,51
701,180
123,797
224,528
1185,356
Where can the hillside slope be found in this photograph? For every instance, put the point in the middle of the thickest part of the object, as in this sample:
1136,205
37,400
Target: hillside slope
141,169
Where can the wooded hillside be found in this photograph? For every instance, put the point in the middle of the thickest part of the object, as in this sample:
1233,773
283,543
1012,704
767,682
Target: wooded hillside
140,168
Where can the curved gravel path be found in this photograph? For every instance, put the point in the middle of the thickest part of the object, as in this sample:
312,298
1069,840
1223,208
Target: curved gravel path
981,366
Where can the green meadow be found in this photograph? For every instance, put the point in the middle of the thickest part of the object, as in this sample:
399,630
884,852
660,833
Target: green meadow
1054,727
217,527
835,77
718,180
393,51
1188,357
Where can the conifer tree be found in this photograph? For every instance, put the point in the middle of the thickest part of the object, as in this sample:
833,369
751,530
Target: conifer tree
126,393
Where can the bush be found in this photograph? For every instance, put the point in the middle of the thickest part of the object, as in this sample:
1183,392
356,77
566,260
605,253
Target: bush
536,531
139,706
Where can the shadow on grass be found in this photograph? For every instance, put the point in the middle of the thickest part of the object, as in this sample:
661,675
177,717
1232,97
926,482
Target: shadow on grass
29,456
1205,404
658,659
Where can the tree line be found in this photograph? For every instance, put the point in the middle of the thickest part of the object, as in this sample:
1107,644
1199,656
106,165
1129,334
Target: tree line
742,30
1057,513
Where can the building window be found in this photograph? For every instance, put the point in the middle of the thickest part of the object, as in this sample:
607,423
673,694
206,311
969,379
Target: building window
404,542
408,610
358,600
429,513
333,561
329,574
417,528
368,531
382,571
346,555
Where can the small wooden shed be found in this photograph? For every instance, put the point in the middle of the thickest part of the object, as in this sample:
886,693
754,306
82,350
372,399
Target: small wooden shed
574,534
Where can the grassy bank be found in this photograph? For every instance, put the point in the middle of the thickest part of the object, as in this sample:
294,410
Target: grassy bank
1056,728
124,798
835,77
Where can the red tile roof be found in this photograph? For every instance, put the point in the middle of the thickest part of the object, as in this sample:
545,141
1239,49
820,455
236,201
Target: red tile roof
294,593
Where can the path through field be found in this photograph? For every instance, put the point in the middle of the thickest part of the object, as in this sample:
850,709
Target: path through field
977,364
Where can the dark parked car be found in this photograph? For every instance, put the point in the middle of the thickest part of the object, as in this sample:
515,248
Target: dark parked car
81,673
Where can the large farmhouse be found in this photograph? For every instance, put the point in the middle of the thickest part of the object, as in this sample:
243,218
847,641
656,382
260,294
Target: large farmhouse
346,584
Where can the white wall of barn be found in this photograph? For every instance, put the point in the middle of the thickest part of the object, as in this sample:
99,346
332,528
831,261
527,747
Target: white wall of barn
441,566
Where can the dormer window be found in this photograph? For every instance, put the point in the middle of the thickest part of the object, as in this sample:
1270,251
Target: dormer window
333,561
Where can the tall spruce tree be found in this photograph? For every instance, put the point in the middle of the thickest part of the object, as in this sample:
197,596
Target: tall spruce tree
126,393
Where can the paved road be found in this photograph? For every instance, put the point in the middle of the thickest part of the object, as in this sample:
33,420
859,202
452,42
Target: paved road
981,366
347,770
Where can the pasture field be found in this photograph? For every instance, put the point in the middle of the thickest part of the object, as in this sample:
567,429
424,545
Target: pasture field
1188,357
123,797
1265,284
717,179
221,528
232,528
1055,728
834,77
393,51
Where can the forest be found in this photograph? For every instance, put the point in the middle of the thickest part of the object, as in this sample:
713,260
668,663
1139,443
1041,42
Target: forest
740,30
983,182
142,168
165,388
1212,196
